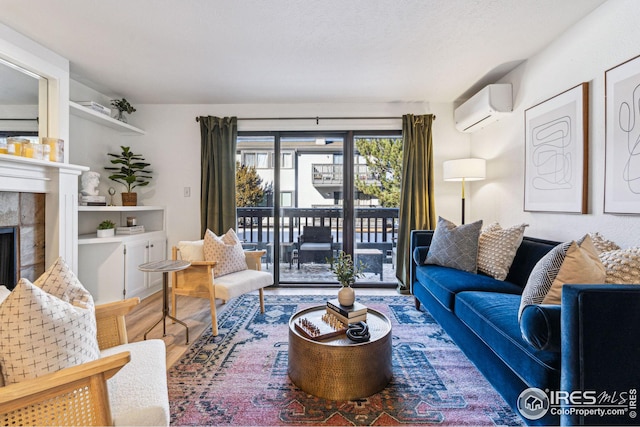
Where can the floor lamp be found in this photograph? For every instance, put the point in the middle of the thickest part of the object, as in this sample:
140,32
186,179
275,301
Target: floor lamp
464,170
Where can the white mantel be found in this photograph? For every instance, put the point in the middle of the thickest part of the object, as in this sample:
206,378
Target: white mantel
59,181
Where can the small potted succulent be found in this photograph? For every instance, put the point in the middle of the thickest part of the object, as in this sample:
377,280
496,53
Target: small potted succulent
106,228
123,106
346,271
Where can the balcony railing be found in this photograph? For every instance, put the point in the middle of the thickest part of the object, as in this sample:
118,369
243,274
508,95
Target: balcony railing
331,174
374,227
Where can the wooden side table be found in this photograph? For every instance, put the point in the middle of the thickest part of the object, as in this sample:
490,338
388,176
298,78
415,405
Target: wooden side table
165,267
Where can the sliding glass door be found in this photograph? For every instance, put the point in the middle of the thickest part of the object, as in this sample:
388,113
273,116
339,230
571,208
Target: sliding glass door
303,197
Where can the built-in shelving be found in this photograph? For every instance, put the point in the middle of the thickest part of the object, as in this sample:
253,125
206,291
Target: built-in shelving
102,119
152,217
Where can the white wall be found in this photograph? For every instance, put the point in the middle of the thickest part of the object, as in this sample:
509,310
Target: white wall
604,39
172,146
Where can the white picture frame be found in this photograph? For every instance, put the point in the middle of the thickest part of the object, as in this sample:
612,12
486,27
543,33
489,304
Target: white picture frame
622,140
556,153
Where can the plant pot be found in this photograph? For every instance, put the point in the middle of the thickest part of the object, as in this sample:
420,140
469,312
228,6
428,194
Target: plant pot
107,232
346,296
129,199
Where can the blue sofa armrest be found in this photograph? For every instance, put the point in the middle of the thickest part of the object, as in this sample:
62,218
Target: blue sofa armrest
540,326
601,349
419,238
420,254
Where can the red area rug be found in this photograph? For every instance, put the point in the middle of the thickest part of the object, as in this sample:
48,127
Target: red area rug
239,378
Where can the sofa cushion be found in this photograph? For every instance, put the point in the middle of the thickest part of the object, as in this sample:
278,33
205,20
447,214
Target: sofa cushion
496,248
455,246
226,250
531,250
493,318
138,392
444,283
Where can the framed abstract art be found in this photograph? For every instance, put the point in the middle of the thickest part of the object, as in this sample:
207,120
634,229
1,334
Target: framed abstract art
556,153
622,148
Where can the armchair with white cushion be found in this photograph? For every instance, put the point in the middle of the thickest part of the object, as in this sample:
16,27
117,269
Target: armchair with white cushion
200,279
127,385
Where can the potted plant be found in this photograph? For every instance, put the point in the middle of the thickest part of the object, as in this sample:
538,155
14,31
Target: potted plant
346,271
106,228
123,106
132,172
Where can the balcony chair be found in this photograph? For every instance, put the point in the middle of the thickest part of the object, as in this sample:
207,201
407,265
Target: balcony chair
198,279
315,244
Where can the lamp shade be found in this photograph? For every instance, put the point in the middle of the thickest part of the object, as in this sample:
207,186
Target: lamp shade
464,169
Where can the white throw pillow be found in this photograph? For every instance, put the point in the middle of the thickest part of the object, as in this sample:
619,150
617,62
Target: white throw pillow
497,247
226,250
622,266
49,331
191,251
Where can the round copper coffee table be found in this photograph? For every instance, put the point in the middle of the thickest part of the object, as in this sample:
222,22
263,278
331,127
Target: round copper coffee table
337,368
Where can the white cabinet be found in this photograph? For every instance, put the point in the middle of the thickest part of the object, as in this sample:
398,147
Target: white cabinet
140,252
108,267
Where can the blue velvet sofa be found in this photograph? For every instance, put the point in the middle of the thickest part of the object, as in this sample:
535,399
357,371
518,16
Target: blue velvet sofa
590,343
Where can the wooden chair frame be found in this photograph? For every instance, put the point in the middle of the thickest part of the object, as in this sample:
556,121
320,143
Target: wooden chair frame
198,281
76,395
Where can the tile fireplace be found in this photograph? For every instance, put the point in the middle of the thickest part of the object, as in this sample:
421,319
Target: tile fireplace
40,199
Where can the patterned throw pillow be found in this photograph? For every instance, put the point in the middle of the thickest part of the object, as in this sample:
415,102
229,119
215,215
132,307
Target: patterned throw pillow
49,331
602,244
580,265
226,250
455,247
497,247
569,262
542,276
622,266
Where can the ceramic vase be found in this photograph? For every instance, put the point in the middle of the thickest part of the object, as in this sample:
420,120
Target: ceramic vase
346,296
108,232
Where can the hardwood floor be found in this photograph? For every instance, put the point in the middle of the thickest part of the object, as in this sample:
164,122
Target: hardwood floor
195,313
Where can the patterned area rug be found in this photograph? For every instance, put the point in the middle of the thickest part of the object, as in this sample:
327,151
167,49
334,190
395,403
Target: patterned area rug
239,378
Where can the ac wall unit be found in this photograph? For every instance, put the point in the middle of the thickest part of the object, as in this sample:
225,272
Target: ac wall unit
484,107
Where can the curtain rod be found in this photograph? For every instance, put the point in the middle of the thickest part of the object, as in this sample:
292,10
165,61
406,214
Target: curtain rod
317,119
20,120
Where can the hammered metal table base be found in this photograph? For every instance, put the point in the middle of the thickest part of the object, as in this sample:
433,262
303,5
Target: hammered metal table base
337,368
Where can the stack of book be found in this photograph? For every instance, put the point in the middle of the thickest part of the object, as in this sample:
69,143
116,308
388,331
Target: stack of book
134,229
92,201
96,107
356,313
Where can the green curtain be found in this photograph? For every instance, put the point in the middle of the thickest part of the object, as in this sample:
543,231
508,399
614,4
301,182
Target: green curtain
417,207
218,175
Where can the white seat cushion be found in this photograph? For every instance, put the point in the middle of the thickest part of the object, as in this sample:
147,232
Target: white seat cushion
138,392
239,283
315,247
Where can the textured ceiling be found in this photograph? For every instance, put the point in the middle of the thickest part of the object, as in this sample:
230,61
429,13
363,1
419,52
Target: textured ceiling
292,51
